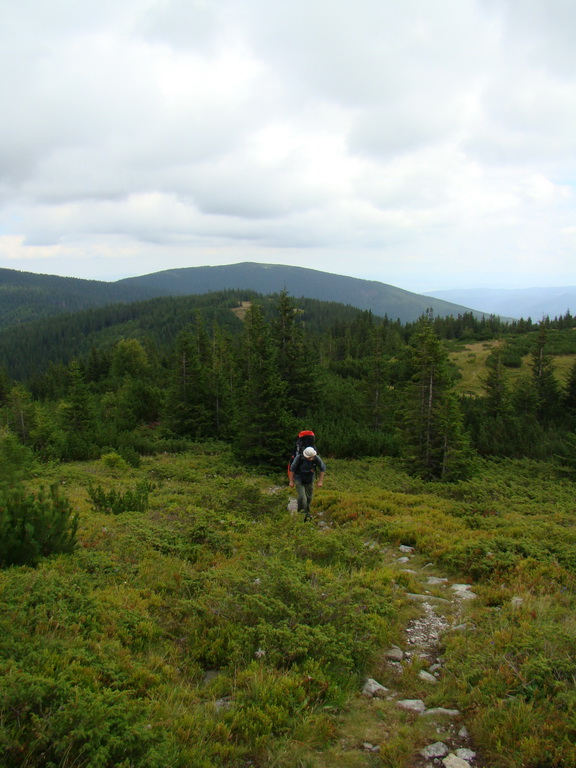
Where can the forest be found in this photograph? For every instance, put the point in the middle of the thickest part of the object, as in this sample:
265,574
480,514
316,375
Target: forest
159,604
253,371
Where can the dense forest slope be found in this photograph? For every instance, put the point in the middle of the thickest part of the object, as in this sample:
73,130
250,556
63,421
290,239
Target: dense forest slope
380,298
29,349
25,296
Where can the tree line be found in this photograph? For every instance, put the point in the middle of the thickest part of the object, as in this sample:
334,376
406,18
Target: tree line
365,385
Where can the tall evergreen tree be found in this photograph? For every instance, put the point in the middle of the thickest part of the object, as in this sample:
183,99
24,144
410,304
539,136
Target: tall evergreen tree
569,395
496,384
263,427
546,385
188,402
435,442
296,363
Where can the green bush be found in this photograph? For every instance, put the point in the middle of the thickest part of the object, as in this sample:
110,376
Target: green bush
114,502
33,526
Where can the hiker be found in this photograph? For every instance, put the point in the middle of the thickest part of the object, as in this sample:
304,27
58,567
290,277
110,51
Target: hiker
301,473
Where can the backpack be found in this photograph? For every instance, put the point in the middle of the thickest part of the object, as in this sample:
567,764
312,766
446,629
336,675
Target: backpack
305,439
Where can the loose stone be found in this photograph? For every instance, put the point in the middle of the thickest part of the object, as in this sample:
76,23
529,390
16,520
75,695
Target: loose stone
466,754
412,705
441,711
438,749
373,690
427,677
452,761
394,653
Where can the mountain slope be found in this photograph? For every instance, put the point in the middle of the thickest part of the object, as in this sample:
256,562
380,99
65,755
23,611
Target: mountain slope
517,302
26,296
380,298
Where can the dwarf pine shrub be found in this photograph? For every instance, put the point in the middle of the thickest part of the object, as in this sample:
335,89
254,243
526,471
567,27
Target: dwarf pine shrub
33,526
114,502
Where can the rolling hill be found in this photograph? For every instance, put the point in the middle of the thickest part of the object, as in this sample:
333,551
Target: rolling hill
382,299
25,296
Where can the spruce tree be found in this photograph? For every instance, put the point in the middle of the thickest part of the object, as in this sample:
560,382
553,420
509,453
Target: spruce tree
435,442
569,395
263,427
496,384
296,363
547,388
187,405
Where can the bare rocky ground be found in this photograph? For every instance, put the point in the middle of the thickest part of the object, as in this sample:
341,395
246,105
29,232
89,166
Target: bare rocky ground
439,734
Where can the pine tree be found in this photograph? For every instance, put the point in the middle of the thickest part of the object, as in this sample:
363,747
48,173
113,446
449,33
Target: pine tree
547,388
569,394
434,438
187,404
263,427
496,384
296,364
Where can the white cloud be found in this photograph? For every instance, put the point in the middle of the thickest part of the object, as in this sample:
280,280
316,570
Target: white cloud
424,145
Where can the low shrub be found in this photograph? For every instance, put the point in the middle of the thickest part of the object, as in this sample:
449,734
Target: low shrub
114,502
33,526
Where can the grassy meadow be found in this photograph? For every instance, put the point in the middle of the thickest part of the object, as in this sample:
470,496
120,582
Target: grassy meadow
214,628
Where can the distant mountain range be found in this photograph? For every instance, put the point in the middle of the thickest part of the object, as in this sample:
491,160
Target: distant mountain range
26,296
517,302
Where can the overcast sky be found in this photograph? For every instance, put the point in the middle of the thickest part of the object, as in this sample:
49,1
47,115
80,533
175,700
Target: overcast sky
427,144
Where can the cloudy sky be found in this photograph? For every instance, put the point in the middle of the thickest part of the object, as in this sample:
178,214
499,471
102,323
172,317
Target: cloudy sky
427,144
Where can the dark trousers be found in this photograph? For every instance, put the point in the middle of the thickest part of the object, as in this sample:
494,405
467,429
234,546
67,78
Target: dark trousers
305,492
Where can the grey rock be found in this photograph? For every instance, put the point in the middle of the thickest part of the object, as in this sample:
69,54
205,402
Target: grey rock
426,598
412,705
406,548
427,677
367,747
441,712
373,690
452,761
463,733
438,749
394,653
403,559
435,580
466,754
462,591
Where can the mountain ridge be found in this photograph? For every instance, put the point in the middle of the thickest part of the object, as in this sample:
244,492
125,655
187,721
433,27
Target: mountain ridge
28,296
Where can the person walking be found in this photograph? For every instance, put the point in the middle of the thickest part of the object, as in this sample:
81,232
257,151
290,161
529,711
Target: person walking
302,472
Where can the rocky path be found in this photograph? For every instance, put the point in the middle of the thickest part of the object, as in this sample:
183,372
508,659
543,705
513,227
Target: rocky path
407,677
442,607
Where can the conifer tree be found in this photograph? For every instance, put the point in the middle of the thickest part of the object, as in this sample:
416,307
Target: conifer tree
569,394
77,417
20,412
262,423
187,404
546,385
496,384
296,364
435,442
